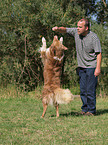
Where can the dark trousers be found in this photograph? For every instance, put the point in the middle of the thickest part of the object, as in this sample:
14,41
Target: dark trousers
88,83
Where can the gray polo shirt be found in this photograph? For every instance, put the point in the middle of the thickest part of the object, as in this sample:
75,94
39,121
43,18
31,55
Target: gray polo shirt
86,47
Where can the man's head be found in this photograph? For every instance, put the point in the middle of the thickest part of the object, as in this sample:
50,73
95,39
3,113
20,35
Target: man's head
83,27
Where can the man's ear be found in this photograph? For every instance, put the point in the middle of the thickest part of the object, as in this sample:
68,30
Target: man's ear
86,28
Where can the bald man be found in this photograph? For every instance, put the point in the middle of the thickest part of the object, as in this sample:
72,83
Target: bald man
88,50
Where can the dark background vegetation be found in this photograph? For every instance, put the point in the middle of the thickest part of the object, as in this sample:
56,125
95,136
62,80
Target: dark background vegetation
25,22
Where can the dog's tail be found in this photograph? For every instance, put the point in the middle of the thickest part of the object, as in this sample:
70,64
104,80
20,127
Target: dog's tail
63,96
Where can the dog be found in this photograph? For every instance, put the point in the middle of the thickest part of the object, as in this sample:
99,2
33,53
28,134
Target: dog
52,59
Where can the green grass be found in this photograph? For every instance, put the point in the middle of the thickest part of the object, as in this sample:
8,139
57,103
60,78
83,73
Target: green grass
20,122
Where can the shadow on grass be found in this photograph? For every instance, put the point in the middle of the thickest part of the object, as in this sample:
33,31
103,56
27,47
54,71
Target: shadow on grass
99,112
69,114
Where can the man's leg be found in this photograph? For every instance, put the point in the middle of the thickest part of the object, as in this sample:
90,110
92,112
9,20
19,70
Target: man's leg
83,94
91,90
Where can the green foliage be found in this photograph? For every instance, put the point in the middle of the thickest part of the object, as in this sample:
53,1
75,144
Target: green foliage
102,12
24,23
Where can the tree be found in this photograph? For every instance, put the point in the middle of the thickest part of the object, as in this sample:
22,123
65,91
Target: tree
102,12
24,23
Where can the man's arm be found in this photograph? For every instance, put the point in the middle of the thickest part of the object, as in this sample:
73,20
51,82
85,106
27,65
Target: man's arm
59,29
98,67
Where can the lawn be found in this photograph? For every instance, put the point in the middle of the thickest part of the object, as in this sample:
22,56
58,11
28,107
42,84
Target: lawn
21,123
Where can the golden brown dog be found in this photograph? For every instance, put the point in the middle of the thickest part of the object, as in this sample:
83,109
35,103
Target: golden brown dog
52,58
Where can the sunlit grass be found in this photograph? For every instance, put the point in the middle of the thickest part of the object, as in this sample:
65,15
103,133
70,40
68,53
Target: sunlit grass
21,123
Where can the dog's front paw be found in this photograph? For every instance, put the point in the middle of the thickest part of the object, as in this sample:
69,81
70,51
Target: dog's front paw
43,48
42,117
43,40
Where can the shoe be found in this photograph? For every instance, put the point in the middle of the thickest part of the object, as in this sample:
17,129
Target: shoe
83,113
89,114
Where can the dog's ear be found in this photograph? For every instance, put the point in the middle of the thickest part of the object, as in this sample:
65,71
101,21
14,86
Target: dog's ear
61,40
55,37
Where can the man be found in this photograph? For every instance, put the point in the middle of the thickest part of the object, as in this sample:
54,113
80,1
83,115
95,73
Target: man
89,62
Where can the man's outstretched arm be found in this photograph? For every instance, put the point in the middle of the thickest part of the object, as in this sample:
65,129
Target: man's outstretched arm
59,29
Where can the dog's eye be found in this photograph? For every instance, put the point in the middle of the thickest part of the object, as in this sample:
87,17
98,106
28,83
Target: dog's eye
54,52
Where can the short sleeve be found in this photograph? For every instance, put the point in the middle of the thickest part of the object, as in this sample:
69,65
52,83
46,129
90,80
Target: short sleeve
71,31
96,44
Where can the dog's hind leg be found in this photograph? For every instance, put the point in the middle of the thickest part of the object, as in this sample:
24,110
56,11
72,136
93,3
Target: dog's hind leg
44,110
57,111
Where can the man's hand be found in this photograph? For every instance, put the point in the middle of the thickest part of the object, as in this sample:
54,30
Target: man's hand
59,29
97,72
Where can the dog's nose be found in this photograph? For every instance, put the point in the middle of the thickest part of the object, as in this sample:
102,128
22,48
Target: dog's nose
65,48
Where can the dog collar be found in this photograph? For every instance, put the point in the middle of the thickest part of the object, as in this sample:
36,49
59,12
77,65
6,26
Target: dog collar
59,59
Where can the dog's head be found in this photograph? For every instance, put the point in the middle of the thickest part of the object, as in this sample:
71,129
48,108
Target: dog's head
58,44
57,48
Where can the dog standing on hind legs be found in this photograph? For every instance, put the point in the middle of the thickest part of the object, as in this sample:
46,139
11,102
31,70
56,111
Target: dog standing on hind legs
52,59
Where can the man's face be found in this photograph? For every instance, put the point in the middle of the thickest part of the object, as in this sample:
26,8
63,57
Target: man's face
81,28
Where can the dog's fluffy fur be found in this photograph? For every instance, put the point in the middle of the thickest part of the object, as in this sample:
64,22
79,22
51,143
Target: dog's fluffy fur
52,59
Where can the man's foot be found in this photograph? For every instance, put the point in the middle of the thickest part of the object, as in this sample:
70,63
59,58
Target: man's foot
89,114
